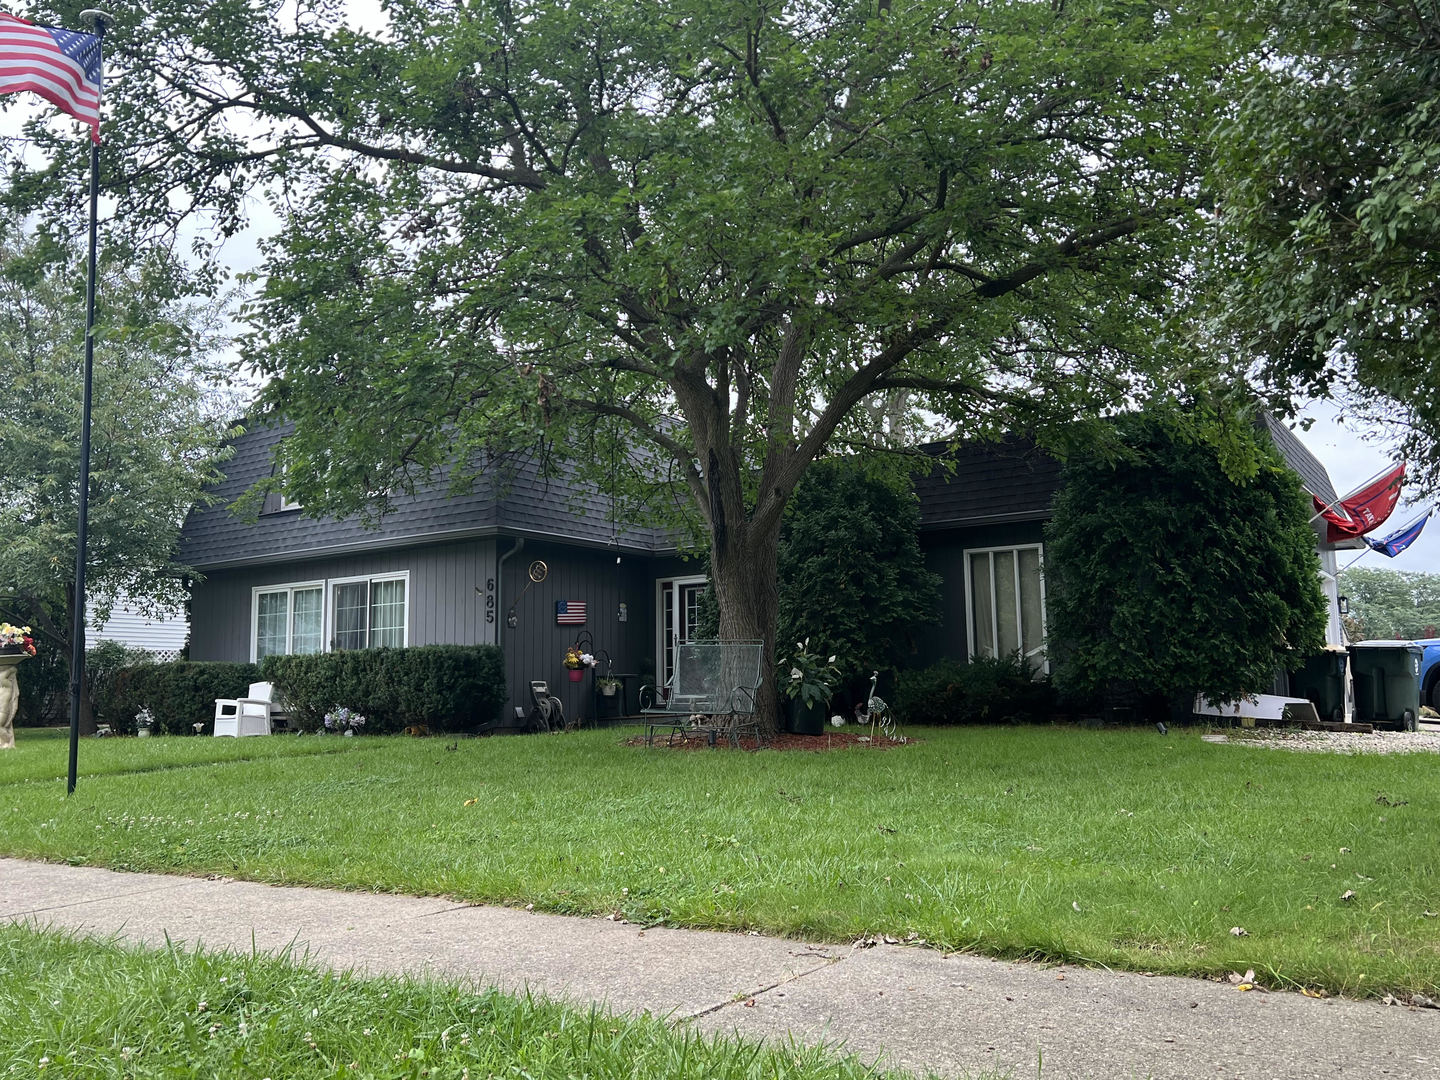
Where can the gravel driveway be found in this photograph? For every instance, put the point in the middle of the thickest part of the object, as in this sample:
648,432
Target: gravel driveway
1424,741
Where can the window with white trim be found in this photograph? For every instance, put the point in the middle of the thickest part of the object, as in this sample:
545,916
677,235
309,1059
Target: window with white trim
288,619
369,613
316,616
1005,602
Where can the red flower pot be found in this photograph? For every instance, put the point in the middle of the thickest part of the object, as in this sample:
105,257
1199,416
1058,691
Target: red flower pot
576,674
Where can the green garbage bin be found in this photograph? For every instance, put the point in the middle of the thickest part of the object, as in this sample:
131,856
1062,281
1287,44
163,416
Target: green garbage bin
1322,681
1387,683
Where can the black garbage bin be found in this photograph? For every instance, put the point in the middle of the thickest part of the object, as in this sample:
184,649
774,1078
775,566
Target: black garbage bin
1322,681
1387,683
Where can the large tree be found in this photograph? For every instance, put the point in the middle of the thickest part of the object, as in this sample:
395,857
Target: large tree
158,422
717,230
1327,176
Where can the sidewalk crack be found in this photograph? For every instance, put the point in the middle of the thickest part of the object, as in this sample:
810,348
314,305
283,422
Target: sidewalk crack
14,915
752,995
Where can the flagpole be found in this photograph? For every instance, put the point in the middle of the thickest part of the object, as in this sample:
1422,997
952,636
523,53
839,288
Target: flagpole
99,22
1353,561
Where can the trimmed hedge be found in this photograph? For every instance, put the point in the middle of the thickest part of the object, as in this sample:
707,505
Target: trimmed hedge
983,691
444,687
178,694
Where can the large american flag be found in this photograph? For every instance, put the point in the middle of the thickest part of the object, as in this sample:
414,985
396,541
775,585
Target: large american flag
60,65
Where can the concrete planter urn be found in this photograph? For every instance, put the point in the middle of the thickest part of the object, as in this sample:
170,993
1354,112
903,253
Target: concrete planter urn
9,694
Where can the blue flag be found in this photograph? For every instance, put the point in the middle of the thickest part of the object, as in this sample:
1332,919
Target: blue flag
1397,542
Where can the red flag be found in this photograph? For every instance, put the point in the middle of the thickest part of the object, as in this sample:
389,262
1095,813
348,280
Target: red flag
1366,509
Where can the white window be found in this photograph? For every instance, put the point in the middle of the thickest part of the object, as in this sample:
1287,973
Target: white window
368,613
359,613
677,615
287,619
287,503
1005,602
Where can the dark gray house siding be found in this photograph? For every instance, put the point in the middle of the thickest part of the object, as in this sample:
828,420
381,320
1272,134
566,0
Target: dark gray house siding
442,605
945,555
535,646
997,495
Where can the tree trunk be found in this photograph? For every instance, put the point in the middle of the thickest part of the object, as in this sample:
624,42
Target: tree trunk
743,571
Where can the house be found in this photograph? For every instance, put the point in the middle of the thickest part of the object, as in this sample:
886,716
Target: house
982,530
441,569
534,564
162,637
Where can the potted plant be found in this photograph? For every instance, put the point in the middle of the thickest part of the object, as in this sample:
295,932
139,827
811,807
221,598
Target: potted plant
577,661
607,686
16,640
808,681
144,721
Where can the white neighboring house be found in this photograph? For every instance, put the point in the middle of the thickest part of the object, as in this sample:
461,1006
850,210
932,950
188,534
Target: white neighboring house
163,638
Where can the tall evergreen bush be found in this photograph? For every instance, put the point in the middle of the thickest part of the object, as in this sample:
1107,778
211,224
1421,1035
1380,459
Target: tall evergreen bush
1166,570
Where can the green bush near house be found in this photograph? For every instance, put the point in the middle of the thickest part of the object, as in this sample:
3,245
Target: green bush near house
983,691
179,694
444,687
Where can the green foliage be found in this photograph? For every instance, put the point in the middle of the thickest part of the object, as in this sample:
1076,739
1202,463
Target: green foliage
726,237
852,577
157,424
44,680
1163,574
809,677
987,690
1326,175
444,687
179,694
1397,604
107,670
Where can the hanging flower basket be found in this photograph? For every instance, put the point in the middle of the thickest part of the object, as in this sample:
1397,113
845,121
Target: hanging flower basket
577,661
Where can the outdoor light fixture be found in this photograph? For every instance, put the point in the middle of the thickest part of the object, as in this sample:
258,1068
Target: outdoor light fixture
1344,604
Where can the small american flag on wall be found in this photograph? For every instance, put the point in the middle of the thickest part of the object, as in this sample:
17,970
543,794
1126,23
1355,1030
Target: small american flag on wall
569,613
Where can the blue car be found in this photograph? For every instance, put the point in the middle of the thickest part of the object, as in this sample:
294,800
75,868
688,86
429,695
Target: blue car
1430,672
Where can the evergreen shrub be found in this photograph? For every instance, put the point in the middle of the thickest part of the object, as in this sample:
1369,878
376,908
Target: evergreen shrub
443,687
983,691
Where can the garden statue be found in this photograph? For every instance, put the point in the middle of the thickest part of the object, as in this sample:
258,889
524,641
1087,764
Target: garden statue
9,701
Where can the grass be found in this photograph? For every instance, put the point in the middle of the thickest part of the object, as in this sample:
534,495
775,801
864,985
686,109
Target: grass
76,1008
1121,848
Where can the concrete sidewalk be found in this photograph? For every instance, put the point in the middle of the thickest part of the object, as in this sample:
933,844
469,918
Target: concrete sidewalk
909,1007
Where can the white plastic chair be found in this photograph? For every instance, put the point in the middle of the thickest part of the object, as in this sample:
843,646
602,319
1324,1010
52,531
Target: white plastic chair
249,715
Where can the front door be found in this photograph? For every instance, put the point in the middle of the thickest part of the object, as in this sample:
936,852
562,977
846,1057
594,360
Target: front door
676,618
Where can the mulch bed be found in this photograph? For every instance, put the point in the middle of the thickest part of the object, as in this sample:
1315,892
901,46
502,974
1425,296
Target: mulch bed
831,740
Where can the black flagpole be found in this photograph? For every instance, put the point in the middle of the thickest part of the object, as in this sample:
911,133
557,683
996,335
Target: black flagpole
99,21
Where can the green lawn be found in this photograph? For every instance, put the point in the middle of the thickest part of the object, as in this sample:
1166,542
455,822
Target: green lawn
1122,848
83,1009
